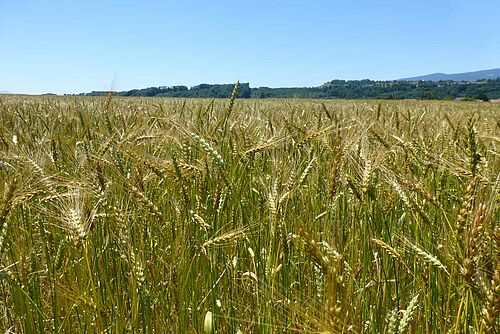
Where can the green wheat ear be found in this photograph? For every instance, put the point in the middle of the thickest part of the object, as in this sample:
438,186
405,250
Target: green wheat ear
233,96
230,107
408,314
474,155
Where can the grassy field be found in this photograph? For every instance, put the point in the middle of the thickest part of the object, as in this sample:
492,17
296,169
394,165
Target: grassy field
248,216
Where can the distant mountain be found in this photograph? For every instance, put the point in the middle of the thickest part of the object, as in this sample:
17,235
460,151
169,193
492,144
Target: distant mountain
467,76
4,92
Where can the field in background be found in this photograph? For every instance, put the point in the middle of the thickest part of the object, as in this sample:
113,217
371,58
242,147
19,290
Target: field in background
256,216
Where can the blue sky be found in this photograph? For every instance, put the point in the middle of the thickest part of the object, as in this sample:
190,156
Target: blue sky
73,46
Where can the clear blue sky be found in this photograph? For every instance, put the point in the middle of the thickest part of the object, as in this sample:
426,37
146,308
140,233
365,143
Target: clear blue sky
74,46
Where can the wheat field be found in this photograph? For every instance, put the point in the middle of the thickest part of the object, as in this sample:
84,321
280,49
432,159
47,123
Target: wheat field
248,216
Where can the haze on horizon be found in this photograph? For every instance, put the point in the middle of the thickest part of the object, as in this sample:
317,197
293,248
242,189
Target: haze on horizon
63,46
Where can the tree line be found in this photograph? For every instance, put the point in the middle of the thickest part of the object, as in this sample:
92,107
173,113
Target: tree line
335,89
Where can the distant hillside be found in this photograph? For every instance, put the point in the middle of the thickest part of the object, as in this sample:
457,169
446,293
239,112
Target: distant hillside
467,76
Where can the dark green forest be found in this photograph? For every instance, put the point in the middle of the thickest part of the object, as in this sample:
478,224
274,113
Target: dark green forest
336,89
